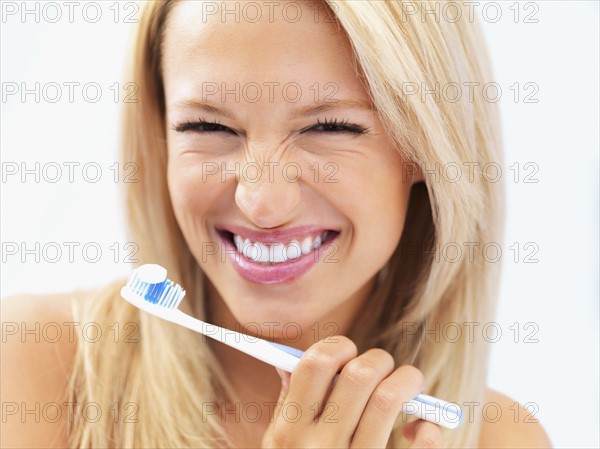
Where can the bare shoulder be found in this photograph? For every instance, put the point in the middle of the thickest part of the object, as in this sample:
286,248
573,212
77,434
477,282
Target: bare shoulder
37,351
513,427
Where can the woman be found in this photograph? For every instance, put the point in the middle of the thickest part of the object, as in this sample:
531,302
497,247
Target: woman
267,126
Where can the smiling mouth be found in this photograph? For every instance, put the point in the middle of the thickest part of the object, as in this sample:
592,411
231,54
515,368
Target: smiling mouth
273,253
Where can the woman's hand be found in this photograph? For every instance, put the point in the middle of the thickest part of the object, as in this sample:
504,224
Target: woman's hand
359,411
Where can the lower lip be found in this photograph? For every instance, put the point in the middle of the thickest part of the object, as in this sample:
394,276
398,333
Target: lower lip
280,273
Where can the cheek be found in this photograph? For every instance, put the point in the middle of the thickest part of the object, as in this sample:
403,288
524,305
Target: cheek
376,205
190,194
384,218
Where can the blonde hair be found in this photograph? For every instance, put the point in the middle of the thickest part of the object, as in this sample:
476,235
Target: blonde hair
169,374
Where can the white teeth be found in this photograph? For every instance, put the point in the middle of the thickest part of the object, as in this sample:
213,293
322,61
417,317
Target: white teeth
255,253
248,251
263,252
317,242
307,244
294,250
277,252
238,242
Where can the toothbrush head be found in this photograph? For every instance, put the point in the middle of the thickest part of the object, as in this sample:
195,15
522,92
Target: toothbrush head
150,283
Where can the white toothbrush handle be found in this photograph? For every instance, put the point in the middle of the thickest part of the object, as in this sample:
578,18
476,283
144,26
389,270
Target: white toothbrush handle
426,407
254,346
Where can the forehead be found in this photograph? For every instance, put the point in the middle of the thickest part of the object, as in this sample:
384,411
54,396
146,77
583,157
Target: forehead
264,42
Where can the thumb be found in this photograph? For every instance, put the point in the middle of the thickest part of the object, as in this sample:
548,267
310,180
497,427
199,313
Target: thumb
285,384
268,436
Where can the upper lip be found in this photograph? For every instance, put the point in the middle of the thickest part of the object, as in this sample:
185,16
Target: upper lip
275,236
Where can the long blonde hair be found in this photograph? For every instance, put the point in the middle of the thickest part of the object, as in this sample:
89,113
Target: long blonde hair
165,376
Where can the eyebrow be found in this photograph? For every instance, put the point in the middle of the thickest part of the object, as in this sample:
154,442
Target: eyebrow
304,111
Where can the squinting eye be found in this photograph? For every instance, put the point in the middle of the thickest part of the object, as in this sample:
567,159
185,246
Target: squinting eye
334,126
328,126
202,126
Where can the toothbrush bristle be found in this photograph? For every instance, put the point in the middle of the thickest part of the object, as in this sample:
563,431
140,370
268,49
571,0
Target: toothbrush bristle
167,293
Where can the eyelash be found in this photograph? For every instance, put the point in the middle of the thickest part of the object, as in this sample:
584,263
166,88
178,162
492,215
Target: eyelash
193,126
344,126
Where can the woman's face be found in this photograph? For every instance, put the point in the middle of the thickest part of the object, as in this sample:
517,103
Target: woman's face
289,117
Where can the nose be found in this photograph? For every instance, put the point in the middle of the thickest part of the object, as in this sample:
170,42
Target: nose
269,193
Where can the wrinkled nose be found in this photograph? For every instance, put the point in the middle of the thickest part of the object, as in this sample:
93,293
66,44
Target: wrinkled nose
269,193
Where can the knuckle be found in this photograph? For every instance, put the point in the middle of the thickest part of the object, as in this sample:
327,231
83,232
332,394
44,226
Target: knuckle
412,374
323,355
317,360
342,342
383,357
385,400
359,372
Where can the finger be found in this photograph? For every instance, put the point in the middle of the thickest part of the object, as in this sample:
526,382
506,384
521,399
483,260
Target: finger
385,404
352,391
410,429
274,418
285,381
311,379
427,435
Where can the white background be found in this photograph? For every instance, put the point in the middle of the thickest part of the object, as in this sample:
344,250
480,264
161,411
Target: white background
558,374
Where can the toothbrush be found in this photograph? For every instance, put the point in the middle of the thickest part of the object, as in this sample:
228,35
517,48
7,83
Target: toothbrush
149,290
